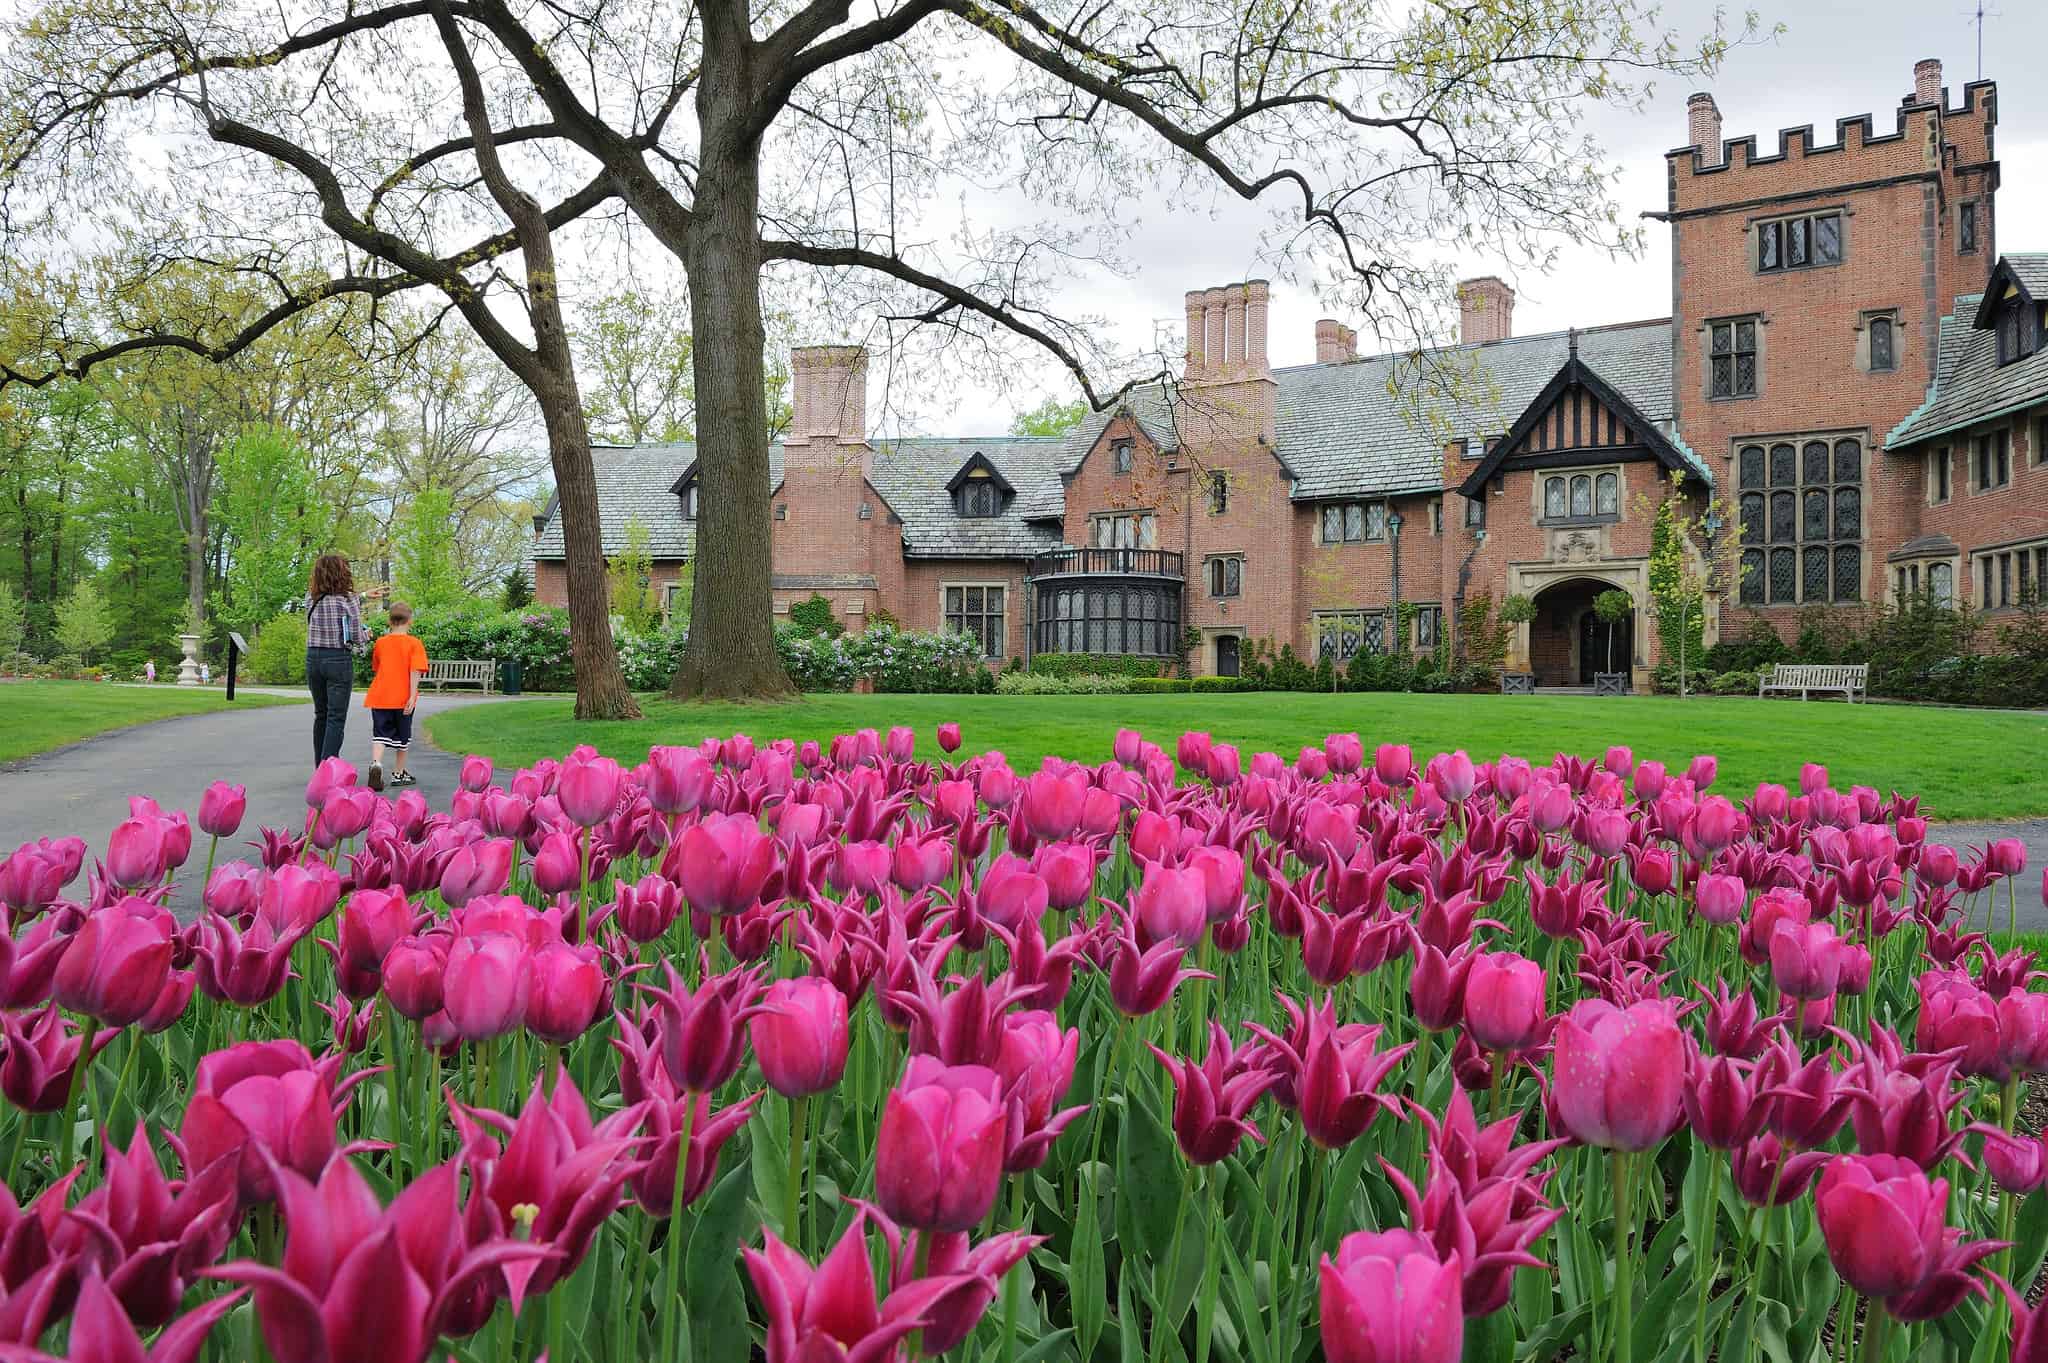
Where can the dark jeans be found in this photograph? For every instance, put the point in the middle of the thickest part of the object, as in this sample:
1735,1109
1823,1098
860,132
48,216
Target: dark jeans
330,673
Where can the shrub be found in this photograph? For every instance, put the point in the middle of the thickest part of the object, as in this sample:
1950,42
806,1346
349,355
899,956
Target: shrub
277,655
538,638
67,667
1095,665
1212,684
815,662
904,661
1158,686
1037,684
649,660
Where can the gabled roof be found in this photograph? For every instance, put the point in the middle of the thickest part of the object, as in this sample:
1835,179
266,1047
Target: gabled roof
978,461
638,482
1970,385
1345,432
1575,372
916,475
2026,273
1147,407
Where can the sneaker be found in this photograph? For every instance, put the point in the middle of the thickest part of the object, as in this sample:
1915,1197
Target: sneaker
405,778
377,777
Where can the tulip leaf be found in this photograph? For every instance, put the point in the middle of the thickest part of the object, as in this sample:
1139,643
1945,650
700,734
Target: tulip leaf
1244,1291
1087,1289
1535,1295
2030,1237
768,1130
718,1313
1042,1350
1149,1189
1339,1219
1129,1341
1660,1314
1560,1330
1679,1346
1490,1339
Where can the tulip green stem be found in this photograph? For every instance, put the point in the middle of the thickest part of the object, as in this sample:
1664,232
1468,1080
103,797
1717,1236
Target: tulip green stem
583,888
1012,1284
68,1138
127,1068
1622,1346
14,1155
792,1229
1212,1267
672,1303
1707,1257
1163,1285
393,1086
1877,1329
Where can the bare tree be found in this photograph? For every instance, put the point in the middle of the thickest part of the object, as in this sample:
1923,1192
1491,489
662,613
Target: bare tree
799,143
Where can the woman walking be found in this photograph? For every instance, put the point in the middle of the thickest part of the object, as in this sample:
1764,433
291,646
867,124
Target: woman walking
334,638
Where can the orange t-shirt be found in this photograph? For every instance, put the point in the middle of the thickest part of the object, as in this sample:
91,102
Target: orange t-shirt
391,661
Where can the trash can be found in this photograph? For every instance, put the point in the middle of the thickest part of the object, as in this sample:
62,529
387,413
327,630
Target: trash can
510,675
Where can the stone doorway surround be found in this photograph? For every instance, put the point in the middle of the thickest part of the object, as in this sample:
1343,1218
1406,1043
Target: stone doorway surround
1631,575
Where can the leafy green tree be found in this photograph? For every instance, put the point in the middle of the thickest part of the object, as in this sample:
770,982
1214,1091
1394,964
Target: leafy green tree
516,592
273,525
635,600
1051,417
13,621
84,624
423,567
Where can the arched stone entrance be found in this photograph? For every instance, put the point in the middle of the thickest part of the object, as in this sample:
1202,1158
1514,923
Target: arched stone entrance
1567,642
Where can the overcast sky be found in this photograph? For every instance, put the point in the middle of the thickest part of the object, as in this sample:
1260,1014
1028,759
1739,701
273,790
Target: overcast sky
1836,59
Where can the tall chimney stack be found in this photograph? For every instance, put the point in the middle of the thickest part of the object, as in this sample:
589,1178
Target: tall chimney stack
1198,335
829,393
1486,308
1335,342
1703,126
1927,81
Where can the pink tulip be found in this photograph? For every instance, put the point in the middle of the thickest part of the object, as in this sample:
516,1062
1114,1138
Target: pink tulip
1714,823
486,985
1883,1220
1938,866
1068,870
35,1074
677,779
1126,747
939,1151
1211,1098
116,964
949,737
481,868
476,773
1772,910
646,909
1956,1014
702,1031
722,863
1388,1298
1036,1066
1454,776
1052,804
566,992
800,1036
1393,764
589,788
221,809
414,972
267,1104
1720,898
1806,960
1170,904
828,1314
371,924
1504,1001
558,865
135,853
1618,1074
1702,770
1012,893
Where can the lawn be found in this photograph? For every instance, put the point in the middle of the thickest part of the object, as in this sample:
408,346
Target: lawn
38,716
1966,764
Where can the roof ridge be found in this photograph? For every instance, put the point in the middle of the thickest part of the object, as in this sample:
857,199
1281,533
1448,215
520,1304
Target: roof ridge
1476,346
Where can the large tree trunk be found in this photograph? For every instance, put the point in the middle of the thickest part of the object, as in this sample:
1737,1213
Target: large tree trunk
731,653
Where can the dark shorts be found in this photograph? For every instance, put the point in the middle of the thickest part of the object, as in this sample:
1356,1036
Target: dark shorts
392,728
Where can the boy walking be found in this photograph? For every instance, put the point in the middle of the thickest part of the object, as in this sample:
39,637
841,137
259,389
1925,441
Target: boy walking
397,664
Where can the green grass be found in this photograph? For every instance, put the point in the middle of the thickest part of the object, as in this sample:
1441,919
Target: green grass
38,716
1965,764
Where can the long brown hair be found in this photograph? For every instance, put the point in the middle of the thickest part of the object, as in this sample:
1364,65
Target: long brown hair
331,577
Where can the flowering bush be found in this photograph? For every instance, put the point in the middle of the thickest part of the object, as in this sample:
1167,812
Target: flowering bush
813,1052
816,662
908,660
536,637
650,660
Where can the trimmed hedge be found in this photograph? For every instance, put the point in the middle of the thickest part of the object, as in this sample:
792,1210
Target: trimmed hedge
1220,684
1158,686
1095,665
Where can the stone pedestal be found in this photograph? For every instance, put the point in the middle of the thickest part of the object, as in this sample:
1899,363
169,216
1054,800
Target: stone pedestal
1518,683
188,670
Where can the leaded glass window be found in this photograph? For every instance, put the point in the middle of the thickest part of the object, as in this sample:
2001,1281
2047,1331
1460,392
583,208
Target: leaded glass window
1606,495
1582,495
1794,243
1808,495
1553,498
1731,358
1881,343
977,611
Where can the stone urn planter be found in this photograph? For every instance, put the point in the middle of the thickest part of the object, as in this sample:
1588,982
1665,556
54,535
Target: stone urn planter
188,669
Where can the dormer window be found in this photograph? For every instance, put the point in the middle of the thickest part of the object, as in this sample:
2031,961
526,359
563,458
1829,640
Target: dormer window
978,498
687,496
2019,330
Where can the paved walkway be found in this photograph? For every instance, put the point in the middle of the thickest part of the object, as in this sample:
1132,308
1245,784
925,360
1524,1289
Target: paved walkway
84,789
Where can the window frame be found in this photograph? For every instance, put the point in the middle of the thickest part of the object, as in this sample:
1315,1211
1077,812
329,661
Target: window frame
1567,479
688,497
1475,512
1987,458
1968,229
1734,353
2015,574
1358,522
1866,341
1433,613
1373,624
1219,492
1139,519
1216,576
1000,616
969,491
1781,230
1775,517
1122,456
1941,476
2018,328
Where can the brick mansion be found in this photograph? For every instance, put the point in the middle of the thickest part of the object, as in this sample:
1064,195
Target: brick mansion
1851,382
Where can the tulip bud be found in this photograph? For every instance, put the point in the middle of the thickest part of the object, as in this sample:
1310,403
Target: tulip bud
800,1036
486,985
1504,1001
1389,1298
567,989
221,809
1618,1073
939,1150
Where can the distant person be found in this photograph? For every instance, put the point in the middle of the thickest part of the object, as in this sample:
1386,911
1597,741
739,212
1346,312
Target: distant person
206,674
396,666
149,672
335,638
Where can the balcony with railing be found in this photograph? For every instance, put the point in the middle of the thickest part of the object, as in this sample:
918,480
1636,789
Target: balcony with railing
1157,563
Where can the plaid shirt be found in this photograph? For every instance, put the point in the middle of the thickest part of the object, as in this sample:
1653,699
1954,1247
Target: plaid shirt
327,618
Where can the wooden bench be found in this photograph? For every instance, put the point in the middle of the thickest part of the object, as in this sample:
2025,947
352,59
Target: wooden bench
1848,678
481,673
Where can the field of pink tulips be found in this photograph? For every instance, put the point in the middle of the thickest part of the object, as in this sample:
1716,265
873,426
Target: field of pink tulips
853,1054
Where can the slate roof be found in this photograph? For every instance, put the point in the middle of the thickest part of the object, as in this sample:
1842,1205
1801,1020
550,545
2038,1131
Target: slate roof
1969,384
637,482
911,475
1345,433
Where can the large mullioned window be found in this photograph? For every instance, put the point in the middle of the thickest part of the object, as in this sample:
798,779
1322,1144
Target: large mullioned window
1801,514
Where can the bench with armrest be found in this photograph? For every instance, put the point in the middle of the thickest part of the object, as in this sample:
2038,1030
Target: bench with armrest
1847,678
481,673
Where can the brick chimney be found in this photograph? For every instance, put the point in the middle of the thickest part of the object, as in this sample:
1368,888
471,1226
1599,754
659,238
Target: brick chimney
1335,342
1227,333
829,393
1927,81
1703,126
1486,307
